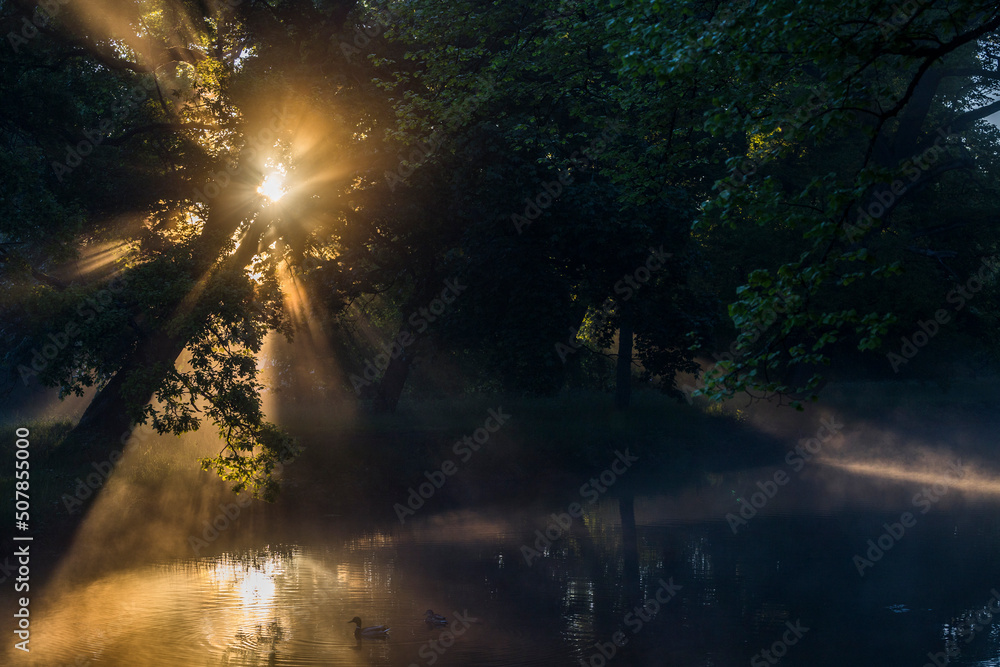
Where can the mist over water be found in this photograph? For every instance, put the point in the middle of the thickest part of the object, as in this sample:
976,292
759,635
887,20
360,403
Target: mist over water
168,567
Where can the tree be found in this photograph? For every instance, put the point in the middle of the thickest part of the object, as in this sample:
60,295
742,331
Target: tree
197,142
882,90
546,209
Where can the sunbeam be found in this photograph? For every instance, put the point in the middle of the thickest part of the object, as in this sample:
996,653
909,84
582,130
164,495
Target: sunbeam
304,372
97,260
965,479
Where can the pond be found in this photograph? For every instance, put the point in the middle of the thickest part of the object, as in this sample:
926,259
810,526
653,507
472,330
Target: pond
840,564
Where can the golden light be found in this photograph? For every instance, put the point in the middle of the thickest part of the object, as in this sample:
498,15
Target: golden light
273,187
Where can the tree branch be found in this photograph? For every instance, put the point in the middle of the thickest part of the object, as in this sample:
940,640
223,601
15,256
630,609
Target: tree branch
157,127
965,121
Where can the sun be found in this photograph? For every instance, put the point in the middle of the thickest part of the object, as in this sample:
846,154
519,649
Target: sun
273,186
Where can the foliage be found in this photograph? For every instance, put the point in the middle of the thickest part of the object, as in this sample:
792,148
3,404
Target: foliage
833,107
782,159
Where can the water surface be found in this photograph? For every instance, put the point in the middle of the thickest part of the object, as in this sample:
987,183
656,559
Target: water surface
285,596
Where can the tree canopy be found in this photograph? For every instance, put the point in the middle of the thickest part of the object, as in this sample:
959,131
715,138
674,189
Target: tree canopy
538,195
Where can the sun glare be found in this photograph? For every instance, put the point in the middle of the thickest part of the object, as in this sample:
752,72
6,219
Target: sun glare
273,186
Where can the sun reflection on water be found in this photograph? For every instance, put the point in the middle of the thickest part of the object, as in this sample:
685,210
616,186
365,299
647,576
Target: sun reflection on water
254,585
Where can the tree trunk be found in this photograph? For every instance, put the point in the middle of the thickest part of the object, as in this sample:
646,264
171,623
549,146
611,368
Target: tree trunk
109,418
107,422
390,388
623,383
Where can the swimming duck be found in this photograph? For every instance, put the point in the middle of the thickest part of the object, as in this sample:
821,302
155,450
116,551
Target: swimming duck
371,631
434,619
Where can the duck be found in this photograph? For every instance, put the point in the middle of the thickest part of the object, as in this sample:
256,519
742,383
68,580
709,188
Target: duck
434,619
372,631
